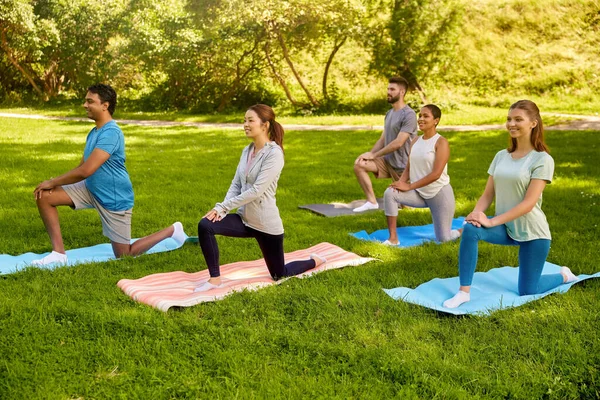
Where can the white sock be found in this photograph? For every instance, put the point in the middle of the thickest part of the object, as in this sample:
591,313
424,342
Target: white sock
54,257
571,277
457,300
206,286
318,259
178,233
367,206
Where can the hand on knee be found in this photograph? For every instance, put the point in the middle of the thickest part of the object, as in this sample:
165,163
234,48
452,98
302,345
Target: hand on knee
470,232
204,227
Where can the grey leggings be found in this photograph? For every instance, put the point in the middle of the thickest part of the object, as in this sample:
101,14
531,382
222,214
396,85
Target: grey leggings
441,205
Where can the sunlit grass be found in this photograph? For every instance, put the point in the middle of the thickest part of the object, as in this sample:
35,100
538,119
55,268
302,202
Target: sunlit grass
463,114
71,333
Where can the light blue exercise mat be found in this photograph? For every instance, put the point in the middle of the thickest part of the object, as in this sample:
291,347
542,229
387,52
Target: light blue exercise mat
490,291
407,235
98,253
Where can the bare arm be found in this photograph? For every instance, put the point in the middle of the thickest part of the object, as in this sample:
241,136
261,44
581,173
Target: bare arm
487,197
81,172
393,145
536,187
534,191
379,144
368,156
442,155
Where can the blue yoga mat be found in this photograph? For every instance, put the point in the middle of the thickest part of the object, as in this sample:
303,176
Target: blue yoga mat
407,235
98,253
490,291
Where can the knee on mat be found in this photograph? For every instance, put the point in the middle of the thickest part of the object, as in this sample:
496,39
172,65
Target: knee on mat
526,289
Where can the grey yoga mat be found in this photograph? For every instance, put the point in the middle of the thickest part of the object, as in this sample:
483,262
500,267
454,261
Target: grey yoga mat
337,209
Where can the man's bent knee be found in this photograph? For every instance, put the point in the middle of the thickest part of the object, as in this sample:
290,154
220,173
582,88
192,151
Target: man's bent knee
121,249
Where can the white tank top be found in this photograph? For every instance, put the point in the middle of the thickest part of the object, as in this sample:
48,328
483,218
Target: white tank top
422,157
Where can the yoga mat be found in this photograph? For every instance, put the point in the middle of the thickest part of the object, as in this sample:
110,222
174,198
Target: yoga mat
407,235
98,253
337,209
493,290
176,289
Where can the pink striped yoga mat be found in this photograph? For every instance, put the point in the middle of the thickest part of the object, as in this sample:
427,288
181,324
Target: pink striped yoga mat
176,289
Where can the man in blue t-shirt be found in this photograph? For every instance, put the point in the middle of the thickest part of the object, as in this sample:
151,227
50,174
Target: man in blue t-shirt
100,181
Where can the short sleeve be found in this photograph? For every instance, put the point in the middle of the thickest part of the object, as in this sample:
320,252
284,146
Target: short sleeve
408,123
494,163
543,168
108,140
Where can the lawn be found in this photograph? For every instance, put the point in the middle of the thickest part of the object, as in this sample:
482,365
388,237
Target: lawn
71,333
463,114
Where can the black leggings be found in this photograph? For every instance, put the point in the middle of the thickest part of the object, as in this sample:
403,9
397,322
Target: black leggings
270,245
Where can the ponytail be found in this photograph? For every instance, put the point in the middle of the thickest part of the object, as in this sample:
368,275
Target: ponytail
276,133
266,114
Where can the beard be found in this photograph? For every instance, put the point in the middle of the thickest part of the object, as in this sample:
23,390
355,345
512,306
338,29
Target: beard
392,100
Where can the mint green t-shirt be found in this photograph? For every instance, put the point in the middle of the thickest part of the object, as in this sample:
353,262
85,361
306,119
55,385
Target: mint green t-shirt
511,181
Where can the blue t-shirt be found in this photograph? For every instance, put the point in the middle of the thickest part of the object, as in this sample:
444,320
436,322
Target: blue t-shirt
110,184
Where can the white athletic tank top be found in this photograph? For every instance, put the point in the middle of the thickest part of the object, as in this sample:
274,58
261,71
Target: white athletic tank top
422,157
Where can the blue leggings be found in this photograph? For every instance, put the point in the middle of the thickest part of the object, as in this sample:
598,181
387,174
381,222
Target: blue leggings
532,257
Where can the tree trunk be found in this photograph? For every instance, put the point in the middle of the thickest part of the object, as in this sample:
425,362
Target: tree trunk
6,48
336,47
281,81
226,98
286,56
413,81
52,82
421,92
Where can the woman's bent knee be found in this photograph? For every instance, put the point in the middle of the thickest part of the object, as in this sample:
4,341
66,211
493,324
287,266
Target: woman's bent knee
471,232
204,226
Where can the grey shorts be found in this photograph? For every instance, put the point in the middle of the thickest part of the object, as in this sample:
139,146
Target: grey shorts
116,225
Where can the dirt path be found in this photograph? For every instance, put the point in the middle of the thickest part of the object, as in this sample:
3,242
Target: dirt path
583,122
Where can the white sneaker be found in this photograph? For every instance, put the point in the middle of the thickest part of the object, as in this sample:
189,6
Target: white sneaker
388,243
54,257
206,286
366,207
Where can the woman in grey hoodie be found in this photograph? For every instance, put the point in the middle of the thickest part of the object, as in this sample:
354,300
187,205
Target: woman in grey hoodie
252,192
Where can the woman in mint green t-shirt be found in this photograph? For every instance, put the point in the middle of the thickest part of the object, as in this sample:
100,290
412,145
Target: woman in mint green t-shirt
517,179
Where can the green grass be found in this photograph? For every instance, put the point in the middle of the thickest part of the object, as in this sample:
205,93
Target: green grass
71,333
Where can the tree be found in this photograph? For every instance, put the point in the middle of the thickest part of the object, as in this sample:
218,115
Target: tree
19,38
58,43
414,40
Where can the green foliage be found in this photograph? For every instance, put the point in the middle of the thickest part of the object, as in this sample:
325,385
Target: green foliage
71,333
530,47
307,57
416,40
